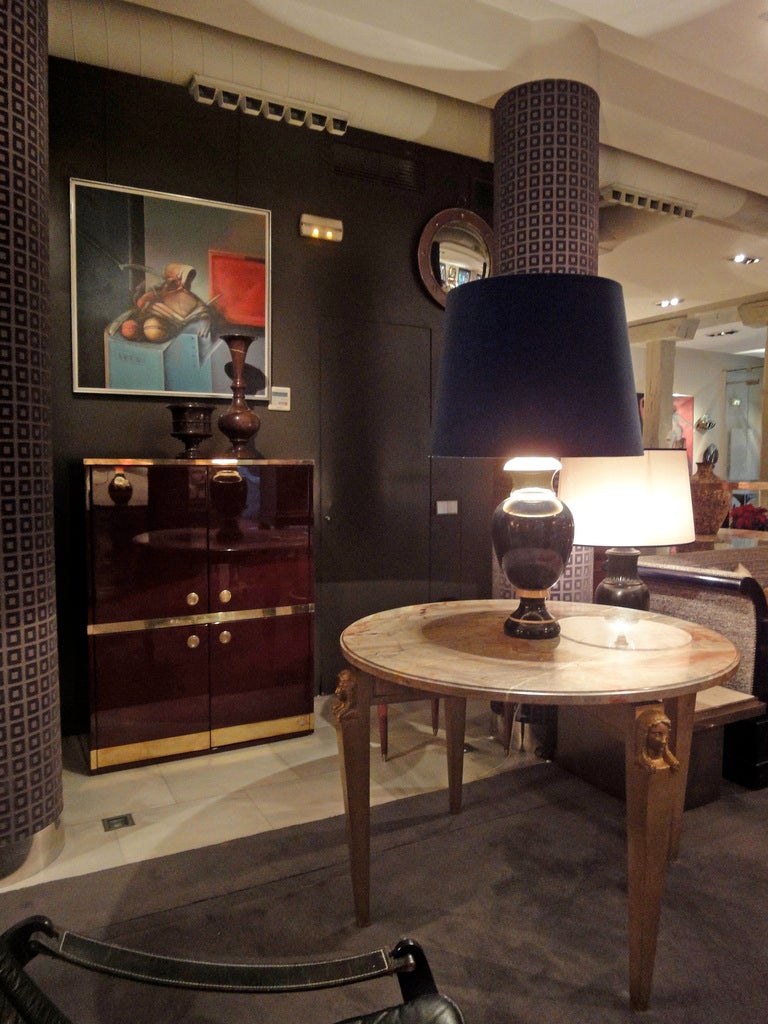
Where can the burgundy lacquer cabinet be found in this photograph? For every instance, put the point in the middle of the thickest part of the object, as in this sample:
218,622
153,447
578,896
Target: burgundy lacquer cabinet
201,591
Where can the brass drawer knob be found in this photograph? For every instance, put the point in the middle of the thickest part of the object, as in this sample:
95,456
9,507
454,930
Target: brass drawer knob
225,596
193,641
225,636
192,599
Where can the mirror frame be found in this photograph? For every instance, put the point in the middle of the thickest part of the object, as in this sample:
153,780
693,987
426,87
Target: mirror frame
454,215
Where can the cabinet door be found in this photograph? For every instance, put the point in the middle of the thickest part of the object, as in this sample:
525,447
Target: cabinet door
260,537
261,678
149,694
147,542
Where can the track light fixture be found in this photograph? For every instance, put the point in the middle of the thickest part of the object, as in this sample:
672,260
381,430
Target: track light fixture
255,102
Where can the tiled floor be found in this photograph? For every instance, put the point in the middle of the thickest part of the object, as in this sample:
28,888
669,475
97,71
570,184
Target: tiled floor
186,804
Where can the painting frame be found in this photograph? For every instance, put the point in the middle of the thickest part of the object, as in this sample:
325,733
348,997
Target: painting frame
157,280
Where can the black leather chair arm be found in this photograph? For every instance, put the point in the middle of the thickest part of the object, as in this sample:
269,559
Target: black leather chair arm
23,1001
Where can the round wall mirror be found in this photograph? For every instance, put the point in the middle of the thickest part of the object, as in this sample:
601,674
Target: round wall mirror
454,248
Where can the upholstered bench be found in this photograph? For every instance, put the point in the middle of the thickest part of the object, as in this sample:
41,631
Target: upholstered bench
725,589
721,589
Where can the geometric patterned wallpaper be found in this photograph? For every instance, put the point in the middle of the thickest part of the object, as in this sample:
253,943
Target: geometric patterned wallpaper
546,174
30,742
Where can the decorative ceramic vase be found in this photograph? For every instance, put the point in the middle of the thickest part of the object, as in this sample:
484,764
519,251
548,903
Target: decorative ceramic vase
191,424
710,498
239,422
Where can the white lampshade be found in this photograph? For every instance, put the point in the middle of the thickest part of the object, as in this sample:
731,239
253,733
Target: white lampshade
637,501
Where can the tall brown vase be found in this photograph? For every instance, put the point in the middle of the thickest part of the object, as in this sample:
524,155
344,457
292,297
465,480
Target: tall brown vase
239,422
710,498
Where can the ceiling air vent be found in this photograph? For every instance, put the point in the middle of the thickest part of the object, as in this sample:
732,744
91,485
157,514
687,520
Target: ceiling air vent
621,195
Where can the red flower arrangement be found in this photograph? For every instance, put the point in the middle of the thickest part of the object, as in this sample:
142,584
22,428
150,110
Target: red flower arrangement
749,517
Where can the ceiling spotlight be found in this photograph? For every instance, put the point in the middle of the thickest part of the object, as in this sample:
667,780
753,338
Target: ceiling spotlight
742,257
669,302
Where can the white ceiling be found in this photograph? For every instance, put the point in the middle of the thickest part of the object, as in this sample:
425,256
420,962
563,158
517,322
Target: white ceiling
682,82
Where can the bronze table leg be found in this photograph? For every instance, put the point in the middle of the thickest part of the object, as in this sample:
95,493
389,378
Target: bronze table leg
353,734
681,711
352,710
655,793
455,726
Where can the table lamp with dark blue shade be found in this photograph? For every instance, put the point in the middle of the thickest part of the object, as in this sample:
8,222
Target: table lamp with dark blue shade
535,366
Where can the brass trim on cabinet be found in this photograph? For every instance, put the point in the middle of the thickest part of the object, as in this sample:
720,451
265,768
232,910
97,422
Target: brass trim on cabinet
261,730
172,746
204,619
223,462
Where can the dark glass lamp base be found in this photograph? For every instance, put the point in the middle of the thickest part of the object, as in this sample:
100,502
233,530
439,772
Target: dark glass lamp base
622,587
531,620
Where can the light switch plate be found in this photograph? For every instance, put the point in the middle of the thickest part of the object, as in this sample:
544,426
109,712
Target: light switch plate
447,508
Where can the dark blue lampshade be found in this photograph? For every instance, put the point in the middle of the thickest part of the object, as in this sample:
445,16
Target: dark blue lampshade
536,364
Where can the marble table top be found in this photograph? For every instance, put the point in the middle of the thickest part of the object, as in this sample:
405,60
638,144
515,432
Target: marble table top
603,654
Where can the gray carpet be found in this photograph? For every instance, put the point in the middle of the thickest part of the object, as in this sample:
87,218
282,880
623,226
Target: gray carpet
519,901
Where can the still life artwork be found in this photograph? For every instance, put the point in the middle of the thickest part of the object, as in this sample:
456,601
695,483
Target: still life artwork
157,281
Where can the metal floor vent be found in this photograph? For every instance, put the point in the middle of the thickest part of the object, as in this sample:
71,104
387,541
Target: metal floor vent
117,821
625,196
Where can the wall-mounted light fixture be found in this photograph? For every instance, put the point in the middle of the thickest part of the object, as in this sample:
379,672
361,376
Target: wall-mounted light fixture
329,230
254,102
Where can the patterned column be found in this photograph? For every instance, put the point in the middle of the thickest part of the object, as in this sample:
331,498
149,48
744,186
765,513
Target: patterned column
30,744
546,201
546,178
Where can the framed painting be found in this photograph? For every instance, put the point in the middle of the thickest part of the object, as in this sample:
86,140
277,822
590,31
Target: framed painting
157,280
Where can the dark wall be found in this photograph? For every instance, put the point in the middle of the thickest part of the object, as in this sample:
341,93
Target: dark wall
354,333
